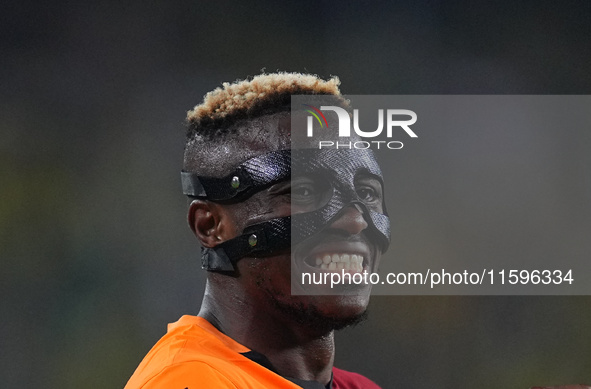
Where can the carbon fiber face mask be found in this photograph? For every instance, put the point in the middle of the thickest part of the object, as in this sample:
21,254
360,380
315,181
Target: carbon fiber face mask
324,182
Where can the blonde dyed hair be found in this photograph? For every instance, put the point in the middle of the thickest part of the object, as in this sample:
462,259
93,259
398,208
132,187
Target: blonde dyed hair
246,99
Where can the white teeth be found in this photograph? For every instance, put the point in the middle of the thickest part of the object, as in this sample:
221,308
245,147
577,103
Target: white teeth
340,262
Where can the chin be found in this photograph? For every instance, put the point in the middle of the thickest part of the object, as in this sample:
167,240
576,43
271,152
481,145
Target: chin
325,313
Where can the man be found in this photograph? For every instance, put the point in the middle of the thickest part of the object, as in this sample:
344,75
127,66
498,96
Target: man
251,215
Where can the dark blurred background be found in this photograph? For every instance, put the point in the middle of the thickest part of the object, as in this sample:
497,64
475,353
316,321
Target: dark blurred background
96,257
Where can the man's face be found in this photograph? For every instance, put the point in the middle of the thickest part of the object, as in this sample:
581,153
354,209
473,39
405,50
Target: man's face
269,278
345,197
343,245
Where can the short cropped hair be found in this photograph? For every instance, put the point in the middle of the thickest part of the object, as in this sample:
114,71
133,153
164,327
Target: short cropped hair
233,121
247,99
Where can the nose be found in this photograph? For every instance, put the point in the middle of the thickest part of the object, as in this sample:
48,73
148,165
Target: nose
350,220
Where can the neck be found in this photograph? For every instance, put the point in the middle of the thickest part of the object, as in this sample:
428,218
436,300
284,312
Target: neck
295,350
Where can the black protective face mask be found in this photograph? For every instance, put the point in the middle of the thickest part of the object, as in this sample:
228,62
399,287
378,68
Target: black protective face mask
324,182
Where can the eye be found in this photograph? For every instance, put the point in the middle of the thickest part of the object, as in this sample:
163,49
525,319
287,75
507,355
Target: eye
369,190
302,191
308,193
367,194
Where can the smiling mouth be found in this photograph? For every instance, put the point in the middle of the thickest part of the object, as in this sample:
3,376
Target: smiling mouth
353,263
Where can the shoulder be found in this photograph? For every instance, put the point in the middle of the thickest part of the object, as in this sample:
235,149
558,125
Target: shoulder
343,379
185,375
191,354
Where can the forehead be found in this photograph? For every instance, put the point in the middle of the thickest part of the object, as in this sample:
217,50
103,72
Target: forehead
220,154
285,130
341,164
279,131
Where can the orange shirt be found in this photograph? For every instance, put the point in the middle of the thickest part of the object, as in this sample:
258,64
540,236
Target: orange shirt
194,355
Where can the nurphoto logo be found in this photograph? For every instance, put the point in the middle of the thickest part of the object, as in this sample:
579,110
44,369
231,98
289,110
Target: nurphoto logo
394,118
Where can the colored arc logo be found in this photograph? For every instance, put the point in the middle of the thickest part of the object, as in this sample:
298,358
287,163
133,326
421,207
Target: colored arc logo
316,115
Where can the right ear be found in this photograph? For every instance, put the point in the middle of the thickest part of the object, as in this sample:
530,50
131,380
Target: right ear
208,222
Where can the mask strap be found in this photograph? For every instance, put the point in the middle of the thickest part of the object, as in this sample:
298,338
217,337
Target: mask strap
259,239
249,177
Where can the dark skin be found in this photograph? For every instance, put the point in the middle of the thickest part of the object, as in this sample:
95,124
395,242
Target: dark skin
250,306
